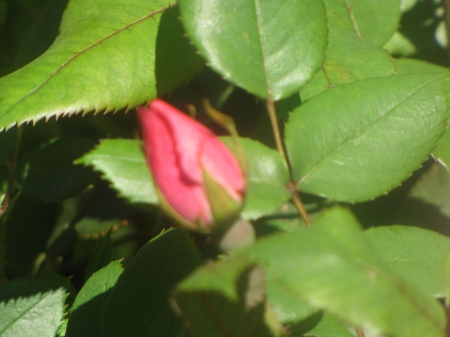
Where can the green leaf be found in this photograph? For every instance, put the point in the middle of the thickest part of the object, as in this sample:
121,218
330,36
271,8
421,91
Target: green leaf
224,299
269,48
349,58
414,253
101,256
139,302
2,253
442,151
412,66
47,173
268,177
320,324
447,276
400,46
109,56
374,21
360,140
332,267
87,312
31,307
433,188
123,163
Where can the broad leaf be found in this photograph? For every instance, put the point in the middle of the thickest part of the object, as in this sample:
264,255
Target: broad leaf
123,163
109,56
268,178
31,307
332,266
139,302
225,299
47,173
90,304
414,253
361,140
348,58
269,48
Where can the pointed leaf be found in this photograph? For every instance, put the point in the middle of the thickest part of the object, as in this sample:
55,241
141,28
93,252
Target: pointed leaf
109,56
101,256
90,304
414,253
31,307
139,302
333,267
269,48
360,140
123,163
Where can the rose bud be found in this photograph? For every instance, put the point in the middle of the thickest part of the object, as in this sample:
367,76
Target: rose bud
199,181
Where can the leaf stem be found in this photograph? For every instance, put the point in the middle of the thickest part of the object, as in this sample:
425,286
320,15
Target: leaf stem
280,147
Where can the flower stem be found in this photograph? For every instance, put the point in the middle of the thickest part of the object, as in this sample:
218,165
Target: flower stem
280,147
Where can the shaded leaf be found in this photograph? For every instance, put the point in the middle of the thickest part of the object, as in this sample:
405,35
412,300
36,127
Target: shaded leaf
331,266
218,294
87,312
360,140
139,302
101,256
320,324
348,57
123,163
268,48
109,56
47,173
31,307
414,253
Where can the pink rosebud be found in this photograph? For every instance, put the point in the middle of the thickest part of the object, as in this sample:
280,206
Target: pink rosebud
199,180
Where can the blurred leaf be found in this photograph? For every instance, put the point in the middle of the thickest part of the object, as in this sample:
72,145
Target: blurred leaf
47,172
412,66
2,252
434,188
225,299
268,177
343,154
331,266
139,43
447,277
31,307
88,311
123,163
320,324
269,48
414,253
101,256
139,302
442,151
3,11
399,46
348,57
29,227
374,21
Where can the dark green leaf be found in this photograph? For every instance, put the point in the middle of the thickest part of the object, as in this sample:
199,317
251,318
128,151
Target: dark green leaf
87,312
331,266
225,299
122,162
31,307
101,256
269,48
47,173
109,56
360,140
414,253
349,58
139,303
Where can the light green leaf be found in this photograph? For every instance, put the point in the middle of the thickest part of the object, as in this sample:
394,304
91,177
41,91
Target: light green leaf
348,57
374,21
331,266
31,307
109,56
90,304
47,173
268,178
139,302
270,48
360,140
400,45
225,299
442,151
123,163
414,253
412,66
